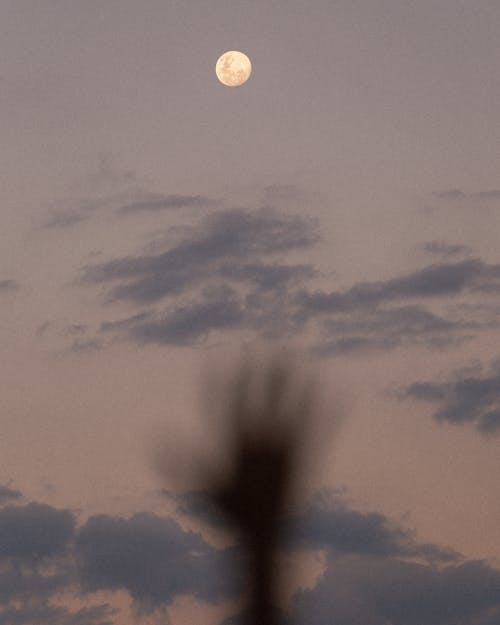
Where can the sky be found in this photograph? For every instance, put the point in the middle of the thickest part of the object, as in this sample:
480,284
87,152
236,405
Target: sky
343,203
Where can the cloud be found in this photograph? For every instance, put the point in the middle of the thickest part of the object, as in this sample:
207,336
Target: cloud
156,202
7,286
389,328
208,250
228,262
199,505
226,272
152,558
433,281
42,613
120,191
458,194
329,523
129,202
377,591
376,572
36,566
66,219
445,250
466,398
191,322
278,617
34,532
375,316
44,555
268,277
8,494
19,582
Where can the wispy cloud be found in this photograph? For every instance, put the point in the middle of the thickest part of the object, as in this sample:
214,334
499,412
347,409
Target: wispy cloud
67,219
434,281
7,286
385,329
229,271
445,250
376,316
184,324
222,244
225,272
156,202
465,398
111,190
7,495
458,194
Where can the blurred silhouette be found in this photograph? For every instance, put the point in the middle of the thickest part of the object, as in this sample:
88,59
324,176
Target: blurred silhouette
267,422
264,445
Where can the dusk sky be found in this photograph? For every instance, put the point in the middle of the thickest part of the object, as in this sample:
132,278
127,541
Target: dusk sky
345,203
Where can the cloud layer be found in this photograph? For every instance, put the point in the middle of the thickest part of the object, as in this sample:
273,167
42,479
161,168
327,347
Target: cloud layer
465,398
376,573
225,273
377,591
233,270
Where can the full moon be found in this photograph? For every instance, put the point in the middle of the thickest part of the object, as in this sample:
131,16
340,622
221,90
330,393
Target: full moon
233,68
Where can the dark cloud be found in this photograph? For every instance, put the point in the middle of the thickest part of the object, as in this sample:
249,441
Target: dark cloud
191,322
377,573
225,273
8,494
151,558
386,329
156,202
268,277
182,325
445,250
221,239
369,315
26,583
466,398
198,504
433,281
43,554
42,613
84,346
458,194
279,617
6,286
329,523
34,532
36,566
377,591
66,219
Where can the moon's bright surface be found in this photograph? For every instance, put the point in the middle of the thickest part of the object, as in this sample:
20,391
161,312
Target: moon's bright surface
233,68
